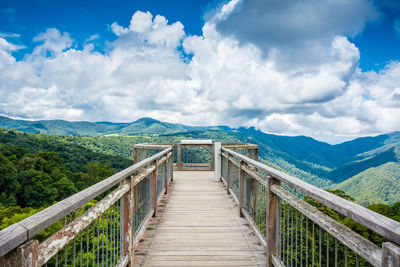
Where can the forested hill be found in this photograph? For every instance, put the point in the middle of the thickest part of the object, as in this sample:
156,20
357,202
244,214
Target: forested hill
62,127
319,163
37,170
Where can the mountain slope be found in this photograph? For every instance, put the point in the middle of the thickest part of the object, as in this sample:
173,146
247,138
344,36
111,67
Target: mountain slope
316,162
375,185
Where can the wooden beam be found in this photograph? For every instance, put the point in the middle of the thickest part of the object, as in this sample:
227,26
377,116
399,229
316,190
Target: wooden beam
228,174
363,247
166,175
126,225
242,189
179,157
273,221
213,157
135,155
172,167
390,255
25,255
154,191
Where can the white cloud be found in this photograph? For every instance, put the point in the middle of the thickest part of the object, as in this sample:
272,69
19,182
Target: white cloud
227,81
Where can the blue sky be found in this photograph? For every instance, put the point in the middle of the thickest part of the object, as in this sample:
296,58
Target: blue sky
329,69
378,42
82,19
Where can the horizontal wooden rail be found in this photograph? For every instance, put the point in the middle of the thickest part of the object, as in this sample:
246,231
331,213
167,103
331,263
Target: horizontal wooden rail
380,224
16,234
366,249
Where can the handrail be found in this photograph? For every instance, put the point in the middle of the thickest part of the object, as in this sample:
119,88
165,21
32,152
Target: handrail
375,221
16,234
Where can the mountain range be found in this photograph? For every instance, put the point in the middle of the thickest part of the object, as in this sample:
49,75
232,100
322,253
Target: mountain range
85,128
367,168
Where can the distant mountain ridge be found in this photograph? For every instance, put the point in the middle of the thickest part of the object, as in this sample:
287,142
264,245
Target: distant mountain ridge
348,165
62,127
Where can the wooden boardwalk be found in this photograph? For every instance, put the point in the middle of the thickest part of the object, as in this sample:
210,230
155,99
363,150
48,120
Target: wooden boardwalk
199,225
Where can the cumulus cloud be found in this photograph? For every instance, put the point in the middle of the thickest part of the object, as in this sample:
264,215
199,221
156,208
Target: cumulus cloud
232,77
295,32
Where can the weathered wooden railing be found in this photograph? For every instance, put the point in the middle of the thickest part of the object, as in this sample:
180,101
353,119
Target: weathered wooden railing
186,154
103,235
295,233
186,149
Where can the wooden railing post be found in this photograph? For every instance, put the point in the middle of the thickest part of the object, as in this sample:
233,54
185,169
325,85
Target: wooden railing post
228,173
179,157
154,187
217,161
390,255
273,221
172,165
131,223
126,225
213,157
242,188
166,175
26,255
135,155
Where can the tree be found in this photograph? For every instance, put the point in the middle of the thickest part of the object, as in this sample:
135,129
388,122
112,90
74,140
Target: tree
8,182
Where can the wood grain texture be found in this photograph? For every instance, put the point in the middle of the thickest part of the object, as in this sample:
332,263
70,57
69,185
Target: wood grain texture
199,226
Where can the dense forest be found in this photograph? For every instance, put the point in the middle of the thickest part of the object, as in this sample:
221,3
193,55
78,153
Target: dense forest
38,170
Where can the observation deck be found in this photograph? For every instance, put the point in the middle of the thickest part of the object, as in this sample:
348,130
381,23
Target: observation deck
199,203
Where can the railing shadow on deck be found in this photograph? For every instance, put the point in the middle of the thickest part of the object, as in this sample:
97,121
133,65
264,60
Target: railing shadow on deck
293,232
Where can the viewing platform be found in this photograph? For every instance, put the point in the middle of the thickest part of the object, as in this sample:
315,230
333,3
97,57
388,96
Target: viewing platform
199,226
199,203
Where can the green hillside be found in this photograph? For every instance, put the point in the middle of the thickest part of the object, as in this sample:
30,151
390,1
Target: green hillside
316,162
376,185
84,128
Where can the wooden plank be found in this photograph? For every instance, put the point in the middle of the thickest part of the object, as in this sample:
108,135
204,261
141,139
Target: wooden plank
363,247
200,227
376,222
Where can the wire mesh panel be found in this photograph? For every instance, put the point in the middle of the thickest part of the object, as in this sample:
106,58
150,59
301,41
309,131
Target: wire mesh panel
99,244
192,154
304,242
143,153
224,168
255,203
169,168
160,179
234,178
143,205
